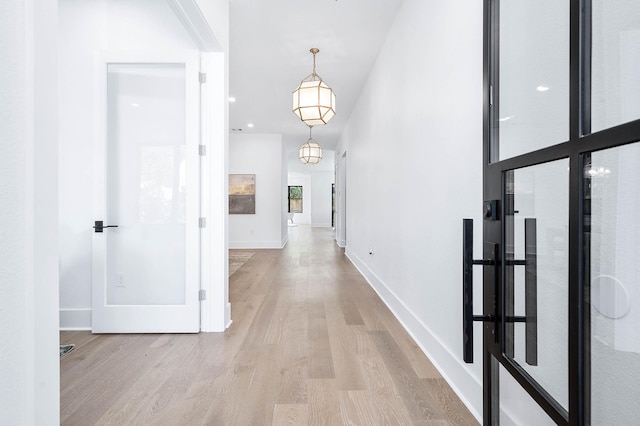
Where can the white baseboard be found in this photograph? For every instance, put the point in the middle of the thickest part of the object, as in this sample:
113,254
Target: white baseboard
255,244
80,319
321,225
285,240
227,316
342,244
450,367
75,319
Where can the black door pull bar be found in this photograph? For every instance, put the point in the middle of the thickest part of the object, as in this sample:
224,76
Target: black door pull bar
467,289
530,317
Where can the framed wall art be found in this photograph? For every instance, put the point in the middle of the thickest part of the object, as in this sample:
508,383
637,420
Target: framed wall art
242,194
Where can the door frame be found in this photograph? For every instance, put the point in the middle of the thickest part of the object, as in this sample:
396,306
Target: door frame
117,315
214,136
341,200
214,238
577,149
215,310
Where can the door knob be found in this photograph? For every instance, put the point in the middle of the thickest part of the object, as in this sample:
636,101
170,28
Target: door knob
99,226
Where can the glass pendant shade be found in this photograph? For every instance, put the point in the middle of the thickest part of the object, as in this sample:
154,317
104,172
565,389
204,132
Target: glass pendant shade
310,152
313,100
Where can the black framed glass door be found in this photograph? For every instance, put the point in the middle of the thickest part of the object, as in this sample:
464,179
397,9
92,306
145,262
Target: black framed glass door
561,281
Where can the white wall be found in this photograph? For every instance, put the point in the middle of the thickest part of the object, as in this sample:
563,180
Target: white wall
259,154
85,29
414,144
321,198
29,361
216,13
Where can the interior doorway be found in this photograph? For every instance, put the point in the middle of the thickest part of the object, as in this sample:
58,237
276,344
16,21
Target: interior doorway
86,34
341,201
146,250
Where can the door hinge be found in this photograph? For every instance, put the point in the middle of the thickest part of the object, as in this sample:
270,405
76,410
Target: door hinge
202,222
202,150
202,77
202,295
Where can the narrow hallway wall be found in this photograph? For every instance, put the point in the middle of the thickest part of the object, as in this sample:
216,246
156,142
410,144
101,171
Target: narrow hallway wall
414,146
260,155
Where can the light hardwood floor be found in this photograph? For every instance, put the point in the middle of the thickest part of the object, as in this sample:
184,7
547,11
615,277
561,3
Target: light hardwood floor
311,343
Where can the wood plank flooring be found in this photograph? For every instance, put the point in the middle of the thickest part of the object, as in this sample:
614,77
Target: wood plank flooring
311,344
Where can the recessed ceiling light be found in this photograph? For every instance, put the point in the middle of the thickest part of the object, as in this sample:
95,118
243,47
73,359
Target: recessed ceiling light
506,118
250,125
232,99
542,88
135,105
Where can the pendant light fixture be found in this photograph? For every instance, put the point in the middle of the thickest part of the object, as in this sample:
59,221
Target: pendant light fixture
311,151
314,101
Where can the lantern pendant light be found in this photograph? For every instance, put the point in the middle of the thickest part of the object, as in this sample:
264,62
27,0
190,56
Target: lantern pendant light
314,101
311,151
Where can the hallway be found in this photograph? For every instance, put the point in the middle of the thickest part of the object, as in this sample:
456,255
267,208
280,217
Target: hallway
310,343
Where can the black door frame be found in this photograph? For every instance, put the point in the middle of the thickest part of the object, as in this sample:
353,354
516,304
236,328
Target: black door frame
577,149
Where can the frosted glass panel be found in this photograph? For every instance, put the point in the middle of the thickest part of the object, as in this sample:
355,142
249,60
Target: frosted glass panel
533,76
146,184
538,196
615,63
614,194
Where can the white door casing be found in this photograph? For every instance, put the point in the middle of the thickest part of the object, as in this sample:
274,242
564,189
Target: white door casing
146,272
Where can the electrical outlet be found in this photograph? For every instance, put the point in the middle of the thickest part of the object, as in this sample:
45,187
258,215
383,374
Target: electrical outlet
120,282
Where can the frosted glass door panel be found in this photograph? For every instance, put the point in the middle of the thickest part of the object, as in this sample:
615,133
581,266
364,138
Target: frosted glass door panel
615,69
613,180
539,302
146,184
533,76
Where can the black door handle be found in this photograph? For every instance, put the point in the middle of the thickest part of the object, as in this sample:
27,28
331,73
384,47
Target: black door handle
467,289
530,318
99,226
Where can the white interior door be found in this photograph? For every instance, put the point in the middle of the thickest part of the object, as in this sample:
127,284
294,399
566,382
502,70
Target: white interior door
146,267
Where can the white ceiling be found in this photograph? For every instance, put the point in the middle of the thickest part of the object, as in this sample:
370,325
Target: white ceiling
269,56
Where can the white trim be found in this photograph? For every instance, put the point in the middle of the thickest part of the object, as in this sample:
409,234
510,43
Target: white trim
446,362
216,310
75,319
206,307
108,318
321,225
285,239
227,316
194,22
341,243
257,244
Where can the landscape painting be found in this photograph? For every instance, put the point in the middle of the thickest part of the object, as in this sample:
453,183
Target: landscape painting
242,194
